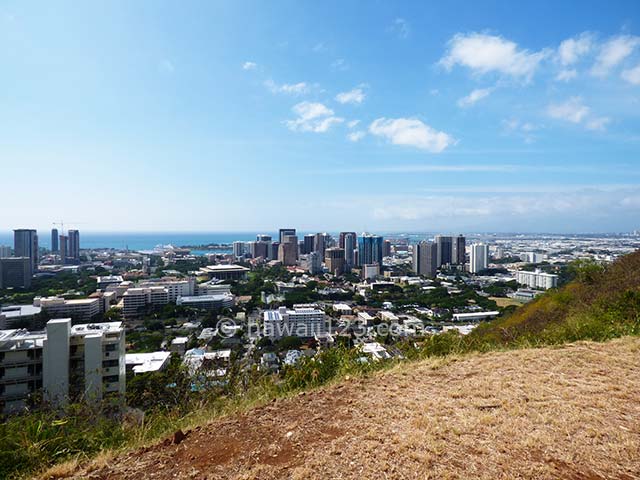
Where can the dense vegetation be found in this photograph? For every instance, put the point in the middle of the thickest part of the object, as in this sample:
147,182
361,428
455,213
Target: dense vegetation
601,303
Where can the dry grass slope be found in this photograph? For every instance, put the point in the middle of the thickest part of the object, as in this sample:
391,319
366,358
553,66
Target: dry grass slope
564,412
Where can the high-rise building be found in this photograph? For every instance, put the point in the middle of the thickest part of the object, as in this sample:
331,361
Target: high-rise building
458,255
5,251
319,245
286,232
425,258
54,240
66,362
307,245
74,245
314,264
369,249
239,249
349,241
386,248
334,260
288,250
262,249
25,244
64,248
479,257
15,272
263,238
275,248
445,249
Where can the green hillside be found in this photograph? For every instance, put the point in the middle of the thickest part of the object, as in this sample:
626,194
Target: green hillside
602,302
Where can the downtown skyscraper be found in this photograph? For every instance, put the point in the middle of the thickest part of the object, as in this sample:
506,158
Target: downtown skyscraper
369,249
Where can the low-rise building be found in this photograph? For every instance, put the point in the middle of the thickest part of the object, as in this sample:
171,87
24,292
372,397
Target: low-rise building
83,309
208,302
138,363
297,322
225,272
537,279
135,300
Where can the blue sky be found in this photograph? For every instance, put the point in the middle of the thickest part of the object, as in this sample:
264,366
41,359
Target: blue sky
387,116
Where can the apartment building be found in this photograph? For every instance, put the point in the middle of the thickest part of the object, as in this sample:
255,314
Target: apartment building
83,309
297,322
135,300
66,362
537,279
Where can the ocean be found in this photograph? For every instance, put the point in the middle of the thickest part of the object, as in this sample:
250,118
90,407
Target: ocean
144,240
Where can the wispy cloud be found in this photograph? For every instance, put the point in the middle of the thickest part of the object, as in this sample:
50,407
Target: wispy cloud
575,111
572,49
613,52
299,88
474,97
340,64
249,66
632,75
353,96
400,27
357,135
411,132
312,117
483,53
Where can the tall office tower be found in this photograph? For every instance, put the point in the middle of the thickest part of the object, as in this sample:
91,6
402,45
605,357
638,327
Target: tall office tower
285,232
342,237
288,250
479,258
349,241
386,248
314,264
308,243
252,249
445,249
334,260
25,244
369,249
74,245
64,248
263,238
239,249
5,251
263,249
458,255
275,248
425,258
54,240
319,245
15,272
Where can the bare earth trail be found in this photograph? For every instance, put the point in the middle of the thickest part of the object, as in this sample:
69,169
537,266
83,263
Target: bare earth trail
569,412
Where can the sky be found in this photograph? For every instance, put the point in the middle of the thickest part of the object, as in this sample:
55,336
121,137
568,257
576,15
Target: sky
324,116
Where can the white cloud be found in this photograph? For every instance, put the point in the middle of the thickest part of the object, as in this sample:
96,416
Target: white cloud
570,50
353,123
567,74
573,110
632,75
356,136
354,96
484,53
474,96
598,123
525,130
249,66
312,117
613,52
411,132
288,88
400,27
340,64
319,48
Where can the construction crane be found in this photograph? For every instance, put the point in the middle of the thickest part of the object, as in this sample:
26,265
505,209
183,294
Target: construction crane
61,225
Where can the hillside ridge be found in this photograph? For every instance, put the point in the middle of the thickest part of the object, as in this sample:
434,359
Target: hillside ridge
568,411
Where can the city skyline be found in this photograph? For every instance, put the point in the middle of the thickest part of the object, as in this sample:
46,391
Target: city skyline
365,117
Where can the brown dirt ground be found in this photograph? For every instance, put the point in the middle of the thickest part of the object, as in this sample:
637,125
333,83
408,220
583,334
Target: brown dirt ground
570,412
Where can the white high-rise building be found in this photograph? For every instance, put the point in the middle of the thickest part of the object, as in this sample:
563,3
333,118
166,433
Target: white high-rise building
81,361
479,258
